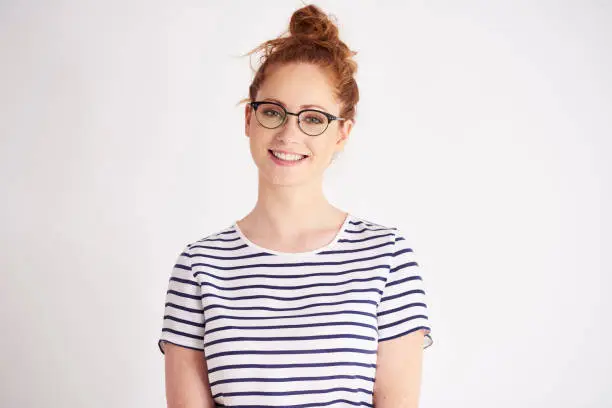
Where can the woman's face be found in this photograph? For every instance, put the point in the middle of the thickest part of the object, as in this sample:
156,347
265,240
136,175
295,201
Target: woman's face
296,87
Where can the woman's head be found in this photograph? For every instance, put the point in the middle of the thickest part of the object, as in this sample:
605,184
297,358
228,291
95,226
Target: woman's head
308,69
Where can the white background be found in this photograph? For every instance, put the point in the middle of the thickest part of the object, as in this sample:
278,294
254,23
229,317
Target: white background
484,131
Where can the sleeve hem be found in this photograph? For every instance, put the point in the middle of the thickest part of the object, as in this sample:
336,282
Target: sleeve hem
159,344
427,342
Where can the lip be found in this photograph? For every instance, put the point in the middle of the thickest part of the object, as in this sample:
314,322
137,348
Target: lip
280,162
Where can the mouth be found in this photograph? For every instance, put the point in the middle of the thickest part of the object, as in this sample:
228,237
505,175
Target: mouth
286,159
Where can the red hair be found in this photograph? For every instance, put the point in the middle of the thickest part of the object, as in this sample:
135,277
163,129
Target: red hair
312,38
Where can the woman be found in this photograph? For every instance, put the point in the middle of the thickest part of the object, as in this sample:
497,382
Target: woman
298,303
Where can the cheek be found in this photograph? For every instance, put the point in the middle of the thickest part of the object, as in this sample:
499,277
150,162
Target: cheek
257,134
322,147
259,142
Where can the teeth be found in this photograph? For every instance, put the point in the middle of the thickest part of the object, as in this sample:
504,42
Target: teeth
289,157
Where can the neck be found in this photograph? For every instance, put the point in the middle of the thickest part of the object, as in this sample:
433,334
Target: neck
288,211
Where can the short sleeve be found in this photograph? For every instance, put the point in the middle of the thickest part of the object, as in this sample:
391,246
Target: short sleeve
183,322
403,305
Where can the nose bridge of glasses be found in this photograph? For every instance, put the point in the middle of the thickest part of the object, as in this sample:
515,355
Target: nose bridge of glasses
286,118
298,122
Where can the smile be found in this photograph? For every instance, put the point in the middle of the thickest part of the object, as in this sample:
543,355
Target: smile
286,159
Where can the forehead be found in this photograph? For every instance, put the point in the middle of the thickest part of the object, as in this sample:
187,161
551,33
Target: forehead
299,84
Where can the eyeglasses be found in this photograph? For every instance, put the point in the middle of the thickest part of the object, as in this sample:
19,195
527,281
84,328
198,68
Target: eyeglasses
271,115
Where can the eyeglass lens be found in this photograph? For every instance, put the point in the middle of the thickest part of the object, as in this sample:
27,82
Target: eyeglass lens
272,116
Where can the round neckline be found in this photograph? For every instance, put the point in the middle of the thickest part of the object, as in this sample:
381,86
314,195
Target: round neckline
340,233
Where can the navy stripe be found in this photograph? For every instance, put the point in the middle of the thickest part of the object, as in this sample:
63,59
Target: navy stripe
402,307
219,239
291,379
211,295
186,309
250,393
283,309
288,265
216,237
384,326
309,405
312,285
290,338
193,336
176,319
400,281
280,352
402,266
368,229
364,239
410,292
181,266
186,281
230,258
300,316
291,326
185,295
402,251
295,365
297,276
221,248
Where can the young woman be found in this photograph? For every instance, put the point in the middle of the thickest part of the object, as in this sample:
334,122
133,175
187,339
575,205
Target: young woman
299,303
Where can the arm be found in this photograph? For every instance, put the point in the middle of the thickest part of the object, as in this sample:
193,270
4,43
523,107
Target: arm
187,383
398,371
182,339
403,322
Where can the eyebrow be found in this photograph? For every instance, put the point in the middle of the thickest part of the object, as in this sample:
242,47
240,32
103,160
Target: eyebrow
300,107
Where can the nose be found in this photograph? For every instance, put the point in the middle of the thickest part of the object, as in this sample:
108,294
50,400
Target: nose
287,128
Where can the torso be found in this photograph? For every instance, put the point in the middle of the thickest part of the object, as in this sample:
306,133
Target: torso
293,329
272,336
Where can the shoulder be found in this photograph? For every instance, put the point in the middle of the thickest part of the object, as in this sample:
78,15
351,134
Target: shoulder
396,238
218,237
214,251
213,245
371,226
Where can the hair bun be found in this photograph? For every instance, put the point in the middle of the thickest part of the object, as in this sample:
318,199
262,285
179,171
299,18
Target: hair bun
312,38
312,23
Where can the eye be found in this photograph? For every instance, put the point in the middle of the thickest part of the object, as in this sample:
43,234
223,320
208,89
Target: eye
271,113
314,119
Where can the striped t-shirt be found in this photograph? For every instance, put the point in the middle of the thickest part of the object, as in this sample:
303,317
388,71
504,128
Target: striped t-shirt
295,329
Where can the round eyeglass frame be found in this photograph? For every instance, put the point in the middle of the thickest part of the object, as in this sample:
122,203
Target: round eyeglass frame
329,116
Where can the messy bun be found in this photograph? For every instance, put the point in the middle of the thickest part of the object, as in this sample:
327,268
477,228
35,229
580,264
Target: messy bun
313,38
310,23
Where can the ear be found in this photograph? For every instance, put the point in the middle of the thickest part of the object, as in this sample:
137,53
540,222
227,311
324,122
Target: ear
344,131
248,110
